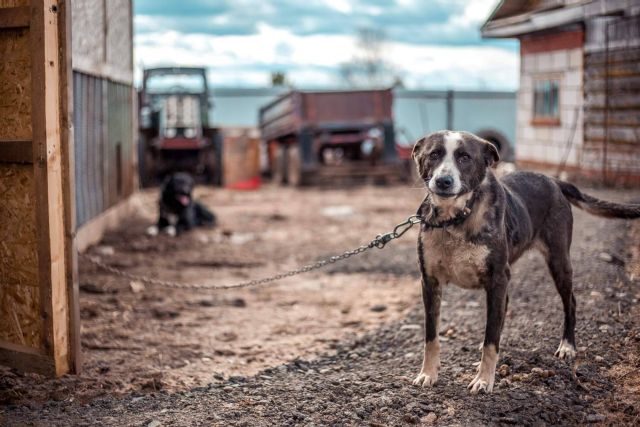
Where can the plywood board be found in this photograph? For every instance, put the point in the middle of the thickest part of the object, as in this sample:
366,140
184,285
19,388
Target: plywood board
15,85
20,296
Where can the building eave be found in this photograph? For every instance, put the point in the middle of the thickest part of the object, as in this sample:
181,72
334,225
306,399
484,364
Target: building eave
525,23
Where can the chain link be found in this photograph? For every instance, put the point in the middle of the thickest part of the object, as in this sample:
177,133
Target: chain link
379,242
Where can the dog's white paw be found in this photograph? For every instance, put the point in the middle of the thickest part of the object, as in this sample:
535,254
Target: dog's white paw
171,231
152,231
482,382
565,350
425,379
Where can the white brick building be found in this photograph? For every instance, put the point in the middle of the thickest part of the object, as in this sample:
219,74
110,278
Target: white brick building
579,95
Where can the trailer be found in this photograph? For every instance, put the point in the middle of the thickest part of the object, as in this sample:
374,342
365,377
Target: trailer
324,137
174,126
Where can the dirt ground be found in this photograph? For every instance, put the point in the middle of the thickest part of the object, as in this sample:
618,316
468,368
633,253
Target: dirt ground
338,346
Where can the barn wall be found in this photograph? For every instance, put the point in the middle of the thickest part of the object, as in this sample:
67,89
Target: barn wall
612,98
103,39
103,104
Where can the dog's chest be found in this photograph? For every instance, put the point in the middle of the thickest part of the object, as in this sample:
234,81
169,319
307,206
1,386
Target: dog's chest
452,259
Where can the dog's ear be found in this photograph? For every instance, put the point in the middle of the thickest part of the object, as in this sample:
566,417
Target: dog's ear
491,155
417,147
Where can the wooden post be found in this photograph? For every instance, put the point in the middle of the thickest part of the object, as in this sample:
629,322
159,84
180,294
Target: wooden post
37,268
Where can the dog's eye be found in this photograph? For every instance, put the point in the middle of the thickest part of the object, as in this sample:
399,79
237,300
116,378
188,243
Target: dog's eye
434,155
464,157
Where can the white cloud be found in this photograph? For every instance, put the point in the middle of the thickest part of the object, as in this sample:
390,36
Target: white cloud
313,60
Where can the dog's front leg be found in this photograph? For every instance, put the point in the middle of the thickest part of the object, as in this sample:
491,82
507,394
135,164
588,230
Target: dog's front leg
431,295
496,310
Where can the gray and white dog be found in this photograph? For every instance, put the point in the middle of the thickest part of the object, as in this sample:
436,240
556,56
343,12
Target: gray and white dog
476,225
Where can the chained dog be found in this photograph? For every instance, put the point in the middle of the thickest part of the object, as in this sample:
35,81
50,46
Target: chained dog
475,226
178,211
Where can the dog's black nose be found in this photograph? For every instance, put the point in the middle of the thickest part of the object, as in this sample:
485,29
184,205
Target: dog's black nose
444,183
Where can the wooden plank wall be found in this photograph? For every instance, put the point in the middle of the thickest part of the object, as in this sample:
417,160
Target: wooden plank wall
612,103
35,225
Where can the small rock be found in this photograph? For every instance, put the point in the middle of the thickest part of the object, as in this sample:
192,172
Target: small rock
504,370
378,308
595,418
136,286
238,302
104,250
164,314
603,256
242,238
410,327
604,328
409,355
227,336
504,383
92,288
154,423
520,377
596,294
339,211
410,419
431,418
537,371
599,359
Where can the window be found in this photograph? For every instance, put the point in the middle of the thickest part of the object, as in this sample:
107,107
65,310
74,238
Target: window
545,102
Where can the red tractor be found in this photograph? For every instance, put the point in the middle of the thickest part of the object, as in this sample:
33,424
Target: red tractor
174,126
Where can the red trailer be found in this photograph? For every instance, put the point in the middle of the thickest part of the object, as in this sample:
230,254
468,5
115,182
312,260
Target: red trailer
315,137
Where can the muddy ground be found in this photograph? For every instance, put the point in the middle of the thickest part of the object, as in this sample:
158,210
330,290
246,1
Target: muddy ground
338,346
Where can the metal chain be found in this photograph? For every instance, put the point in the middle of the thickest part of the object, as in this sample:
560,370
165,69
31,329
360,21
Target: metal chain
379,242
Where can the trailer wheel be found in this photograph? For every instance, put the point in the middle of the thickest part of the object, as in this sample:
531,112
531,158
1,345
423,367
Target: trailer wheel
279,167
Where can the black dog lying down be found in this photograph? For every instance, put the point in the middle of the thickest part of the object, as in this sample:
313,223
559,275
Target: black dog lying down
178,211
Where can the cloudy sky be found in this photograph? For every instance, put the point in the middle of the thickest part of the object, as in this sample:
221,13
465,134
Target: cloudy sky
430,43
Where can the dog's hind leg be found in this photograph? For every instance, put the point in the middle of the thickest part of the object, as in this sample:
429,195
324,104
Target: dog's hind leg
203,215
558,242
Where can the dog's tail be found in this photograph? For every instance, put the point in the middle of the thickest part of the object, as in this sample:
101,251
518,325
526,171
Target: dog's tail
596,206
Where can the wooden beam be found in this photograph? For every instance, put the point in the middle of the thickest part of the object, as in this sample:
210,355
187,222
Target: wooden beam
16,152
68,171
25,359
15,17
47,155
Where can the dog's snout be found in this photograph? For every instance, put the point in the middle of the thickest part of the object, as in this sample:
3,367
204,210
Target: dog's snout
444,182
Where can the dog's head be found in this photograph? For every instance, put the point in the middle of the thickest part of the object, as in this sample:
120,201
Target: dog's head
177,189
453,163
